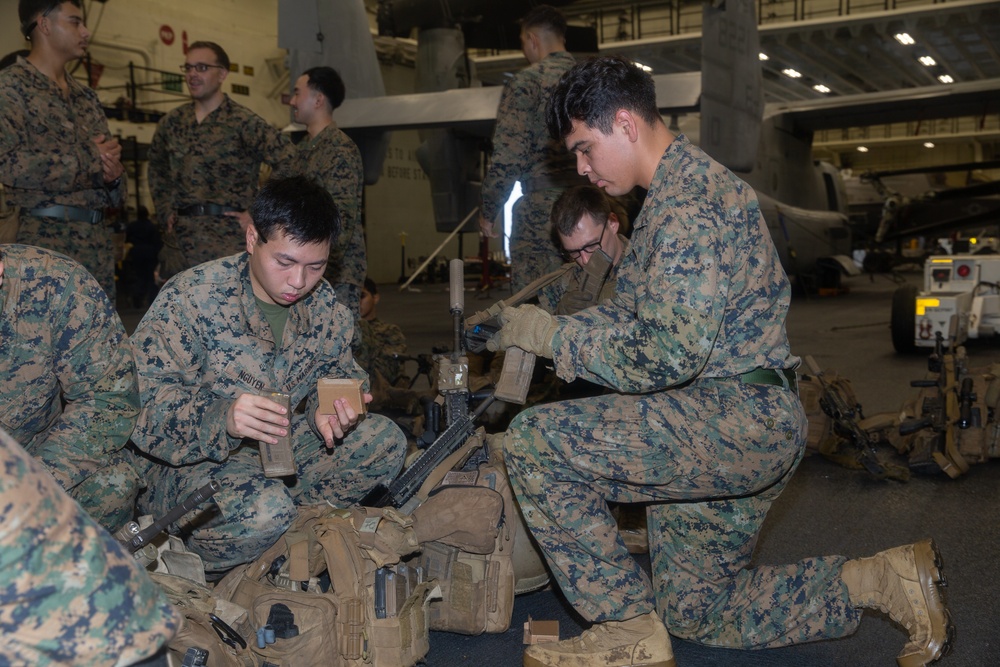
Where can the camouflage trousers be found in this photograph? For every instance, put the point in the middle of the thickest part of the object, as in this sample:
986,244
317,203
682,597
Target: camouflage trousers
88,243
533,253
710,458
108,494
206,237
251,512
350,296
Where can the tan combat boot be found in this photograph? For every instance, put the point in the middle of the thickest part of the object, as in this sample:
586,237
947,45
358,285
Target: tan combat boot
638,642
904,583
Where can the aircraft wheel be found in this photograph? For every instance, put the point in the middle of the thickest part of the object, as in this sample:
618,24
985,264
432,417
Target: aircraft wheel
904,319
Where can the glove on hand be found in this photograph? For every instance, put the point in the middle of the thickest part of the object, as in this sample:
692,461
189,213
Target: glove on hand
527,327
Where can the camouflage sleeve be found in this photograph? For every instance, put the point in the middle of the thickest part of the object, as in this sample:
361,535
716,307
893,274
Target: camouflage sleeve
158,173
392,342
273,146
182,421
666,337
511,147
97,376
69,593
34,155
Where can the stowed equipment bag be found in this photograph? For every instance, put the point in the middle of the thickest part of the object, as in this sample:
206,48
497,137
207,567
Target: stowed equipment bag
315,589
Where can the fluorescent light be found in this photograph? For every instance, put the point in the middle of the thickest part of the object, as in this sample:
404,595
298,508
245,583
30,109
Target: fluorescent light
762,56
928,144
927,61
862,149
644,68
819,87
904,38
946,78
789,72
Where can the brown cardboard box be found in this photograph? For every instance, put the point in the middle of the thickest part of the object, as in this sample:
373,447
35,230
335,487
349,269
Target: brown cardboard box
330,389
541,632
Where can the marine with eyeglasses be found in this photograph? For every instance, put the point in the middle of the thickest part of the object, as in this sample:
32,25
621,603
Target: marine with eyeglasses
205,159
588,224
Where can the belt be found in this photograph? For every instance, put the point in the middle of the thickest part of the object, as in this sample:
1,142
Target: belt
782,377
68,213
207,209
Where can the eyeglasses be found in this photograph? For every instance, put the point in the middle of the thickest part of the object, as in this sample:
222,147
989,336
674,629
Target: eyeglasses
590,248
200,68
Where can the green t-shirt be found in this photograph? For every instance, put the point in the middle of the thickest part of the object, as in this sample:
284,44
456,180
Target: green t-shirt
276,316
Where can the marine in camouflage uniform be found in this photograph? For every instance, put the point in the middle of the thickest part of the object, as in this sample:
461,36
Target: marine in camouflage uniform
67,379
213,163
329,156
551,296
49,159
523,151
69,594
380,341
204,343
705,423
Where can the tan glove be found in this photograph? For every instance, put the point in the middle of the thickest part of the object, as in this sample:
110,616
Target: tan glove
527,327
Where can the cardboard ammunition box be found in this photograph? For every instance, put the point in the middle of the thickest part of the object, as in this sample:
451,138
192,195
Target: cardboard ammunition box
331,389
541,632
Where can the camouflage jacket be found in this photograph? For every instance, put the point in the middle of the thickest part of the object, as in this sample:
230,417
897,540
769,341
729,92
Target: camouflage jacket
69,594
701,293
379,341
62,342
522,147
332,159
204,342
47,150
550,296
216,161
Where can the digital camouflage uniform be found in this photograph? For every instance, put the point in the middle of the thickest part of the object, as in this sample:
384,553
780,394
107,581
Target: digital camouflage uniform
69,594
216,161
523,151
202,344
550,297
61,342
701,299
48,157
379,342
332,159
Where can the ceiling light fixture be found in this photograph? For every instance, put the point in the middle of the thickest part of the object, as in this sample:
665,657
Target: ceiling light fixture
862,149
821,88
927,61
928,144
946,78
644,68
762,56
789,72
904,39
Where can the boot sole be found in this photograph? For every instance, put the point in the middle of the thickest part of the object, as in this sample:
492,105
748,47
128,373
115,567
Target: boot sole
929,565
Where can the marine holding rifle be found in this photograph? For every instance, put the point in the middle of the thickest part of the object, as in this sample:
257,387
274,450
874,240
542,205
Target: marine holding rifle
220,336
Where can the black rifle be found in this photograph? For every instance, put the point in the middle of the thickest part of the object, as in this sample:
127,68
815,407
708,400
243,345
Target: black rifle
845,423
403,488
139,539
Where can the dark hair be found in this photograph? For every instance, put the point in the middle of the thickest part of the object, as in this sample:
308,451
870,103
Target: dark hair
545,17
595,89
29,10
298,206
370,286
11,58
576,201
220,53
326,80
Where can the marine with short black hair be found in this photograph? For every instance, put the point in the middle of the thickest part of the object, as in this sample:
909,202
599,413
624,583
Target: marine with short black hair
220,335
703,423
523,151
329,156
59,162
205,159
